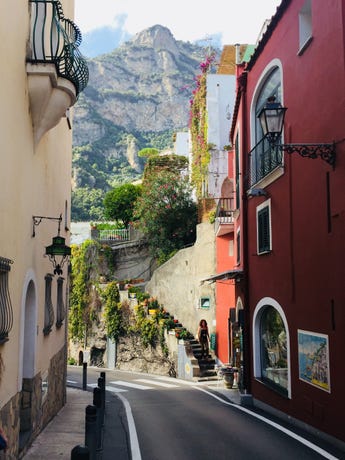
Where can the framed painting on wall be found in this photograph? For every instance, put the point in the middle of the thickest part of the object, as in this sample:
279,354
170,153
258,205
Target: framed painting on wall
313,359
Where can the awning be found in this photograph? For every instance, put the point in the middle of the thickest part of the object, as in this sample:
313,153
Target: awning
228,275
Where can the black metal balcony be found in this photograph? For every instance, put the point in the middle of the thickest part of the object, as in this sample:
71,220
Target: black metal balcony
263,159
55,40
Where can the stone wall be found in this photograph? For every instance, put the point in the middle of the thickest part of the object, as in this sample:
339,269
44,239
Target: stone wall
177,283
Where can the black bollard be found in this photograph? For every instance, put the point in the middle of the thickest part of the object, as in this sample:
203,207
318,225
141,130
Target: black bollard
101,386
84,376
91,430
102,375
97,402
80,453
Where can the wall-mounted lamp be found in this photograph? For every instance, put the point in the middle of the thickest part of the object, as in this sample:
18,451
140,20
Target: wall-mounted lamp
57,252
272,117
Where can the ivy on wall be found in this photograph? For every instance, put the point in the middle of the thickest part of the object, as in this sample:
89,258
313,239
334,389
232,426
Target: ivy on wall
198,127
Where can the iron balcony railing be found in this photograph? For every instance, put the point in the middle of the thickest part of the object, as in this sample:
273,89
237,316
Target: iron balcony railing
225,211
263,159
55,39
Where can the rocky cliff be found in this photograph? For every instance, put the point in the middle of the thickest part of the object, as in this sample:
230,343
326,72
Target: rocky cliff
137,97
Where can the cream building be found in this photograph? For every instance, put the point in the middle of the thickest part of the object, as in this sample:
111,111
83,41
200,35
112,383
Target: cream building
42,73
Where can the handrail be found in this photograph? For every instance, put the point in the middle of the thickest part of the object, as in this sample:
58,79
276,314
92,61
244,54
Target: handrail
55,39
263,159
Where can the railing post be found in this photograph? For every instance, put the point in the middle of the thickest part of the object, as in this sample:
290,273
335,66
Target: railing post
97,401
80,453
84,376
91,430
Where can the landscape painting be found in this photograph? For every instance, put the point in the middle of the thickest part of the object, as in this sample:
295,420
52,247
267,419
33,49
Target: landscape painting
313,359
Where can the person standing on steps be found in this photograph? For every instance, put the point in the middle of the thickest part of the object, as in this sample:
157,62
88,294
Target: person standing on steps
203,337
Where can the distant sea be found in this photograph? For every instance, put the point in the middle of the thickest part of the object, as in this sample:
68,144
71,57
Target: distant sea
80,231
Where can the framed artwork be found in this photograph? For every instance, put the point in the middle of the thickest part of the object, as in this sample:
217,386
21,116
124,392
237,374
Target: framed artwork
313,359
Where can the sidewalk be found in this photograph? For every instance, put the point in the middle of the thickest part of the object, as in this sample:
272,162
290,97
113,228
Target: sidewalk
67,430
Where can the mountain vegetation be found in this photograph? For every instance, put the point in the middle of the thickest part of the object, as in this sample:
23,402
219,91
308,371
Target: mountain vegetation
137,98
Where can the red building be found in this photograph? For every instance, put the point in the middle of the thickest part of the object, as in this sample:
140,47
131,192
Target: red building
290,239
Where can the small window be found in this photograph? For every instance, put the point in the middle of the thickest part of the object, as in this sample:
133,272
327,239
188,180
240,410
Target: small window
205,302
264,240
305,26
48,306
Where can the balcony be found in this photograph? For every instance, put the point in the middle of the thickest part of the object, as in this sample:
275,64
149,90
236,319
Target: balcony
265,160
56,70
225,216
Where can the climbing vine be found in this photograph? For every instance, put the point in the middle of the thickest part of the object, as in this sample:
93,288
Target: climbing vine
85,259
198,126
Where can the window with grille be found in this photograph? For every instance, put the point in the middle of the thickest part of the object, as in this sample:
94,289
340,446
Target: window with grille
6,312
264,238
60,306
48,305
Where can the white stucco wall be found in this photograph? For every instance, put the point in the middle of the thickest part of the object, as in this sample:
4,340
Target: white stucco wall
34,181
177,283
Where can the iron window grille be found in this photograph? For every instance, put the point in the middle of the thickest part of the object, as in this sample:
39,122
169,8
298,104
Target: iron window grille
48,305
60,306
6,311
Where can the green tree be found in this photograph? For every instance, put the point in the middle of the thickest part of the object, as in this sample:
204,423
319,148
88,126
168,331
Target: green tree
119,203
166,213
148,152
87,204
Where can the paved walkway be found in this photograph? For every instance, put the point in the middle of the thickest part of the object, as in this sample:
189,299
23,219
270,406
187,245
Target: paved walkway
67,430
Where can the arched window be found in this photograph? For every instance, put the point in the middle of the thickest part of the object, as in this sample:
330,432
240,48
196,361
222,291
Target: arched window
271,87
264,157
271,346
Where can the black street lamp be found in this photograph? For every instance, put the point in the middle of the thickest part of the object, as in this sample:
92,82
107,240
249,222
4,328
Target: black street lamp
57,252
272,117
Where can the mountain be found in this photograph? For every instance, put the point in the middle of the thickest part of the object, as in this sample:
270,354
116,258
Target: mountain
137,97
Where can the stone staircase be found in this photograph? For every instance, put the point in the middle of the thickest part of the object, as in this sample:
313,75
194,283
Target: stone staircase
206,365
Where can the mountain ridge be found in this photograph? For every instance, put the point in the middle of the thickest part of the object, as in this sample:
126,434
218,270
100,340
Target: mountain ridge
137,97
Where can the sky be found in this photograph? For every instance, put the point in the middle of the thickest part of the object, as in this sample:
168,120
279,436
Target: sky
107,23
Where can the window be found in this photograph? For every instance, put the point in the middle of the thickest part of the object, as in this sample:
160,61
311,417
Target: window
273,349
265,158
48,306
305,26
60,306
205,302
6,312
238,247
263,223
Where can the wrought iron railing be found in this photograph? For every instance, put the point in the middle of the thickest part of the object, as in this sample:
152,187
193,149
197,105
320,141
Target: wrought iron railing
225,210
115,236
55,39
263,159
6,312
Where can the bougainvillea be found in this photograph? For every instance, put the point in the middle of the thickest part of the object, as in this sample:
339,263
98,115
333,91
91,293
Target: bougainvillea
198,126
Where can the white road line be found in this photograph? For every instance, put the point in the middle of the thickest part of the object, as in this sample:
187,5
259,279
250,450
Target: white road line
115,390
307,443
156,382
133,437
131,385
72,381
